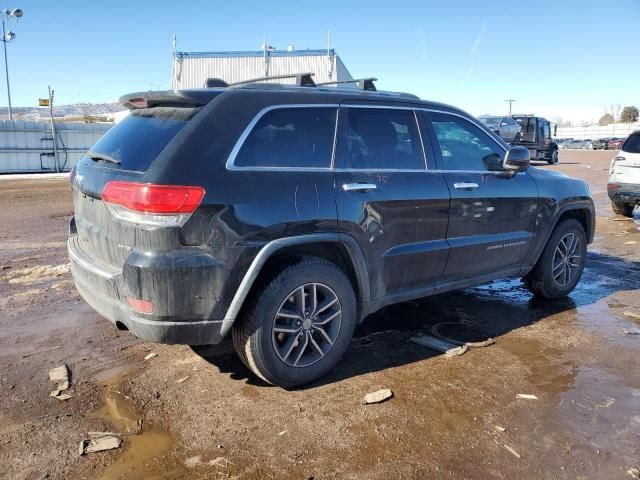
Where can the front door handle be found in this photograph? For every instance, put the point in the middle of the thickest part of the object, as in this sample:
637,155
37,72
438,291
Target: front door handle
465,186
358,187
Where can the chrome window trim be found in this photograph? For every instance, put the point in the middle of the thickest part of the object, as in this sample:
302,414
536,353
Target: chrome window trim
230,165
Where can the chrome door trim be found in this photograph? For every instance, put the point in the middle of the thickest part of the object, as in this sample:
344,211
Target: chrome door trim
358,187
465,185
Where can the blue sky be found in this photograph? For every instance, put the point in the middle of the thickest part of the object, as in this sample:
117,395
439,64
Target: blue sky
565,59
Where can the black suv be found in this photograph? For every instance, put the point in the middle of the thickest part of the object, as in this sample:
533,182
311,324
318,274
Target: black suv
285,215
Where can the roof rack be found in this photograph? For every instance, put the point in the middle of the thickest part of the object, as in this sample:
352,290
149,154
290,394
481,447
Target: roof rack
302,79
363,83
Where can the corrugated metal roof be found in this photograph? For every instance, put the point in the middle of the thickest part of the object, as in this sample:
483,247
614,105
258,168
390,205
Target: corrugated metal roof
191,69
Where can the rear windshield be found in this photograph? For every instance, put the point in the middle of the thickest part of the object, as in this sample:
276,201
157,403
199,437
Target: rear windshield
137,140
527,123
632,145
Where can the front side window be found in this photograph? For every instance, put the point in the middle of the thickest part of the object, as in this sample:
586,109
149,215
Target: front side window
382,138
290,137
463,145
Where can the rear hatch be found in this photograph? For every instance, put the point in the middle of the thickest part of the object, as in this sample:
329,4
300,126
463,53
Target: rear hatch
625,167
100,232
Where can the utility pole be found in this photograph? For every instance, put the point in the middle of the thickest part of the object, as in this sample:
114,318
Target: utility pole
510,100
53,130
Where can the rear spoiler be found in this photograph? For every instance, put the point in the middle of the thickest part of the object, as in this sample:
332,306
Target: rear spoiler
169,98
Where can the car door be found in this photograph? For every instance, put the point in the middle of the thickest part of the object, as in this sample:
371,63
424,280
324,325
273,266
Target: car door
493,213
388,200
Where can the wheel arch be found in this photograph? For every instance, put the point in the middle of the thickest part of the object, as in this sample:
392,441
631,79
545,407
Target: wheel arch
339,249
578,211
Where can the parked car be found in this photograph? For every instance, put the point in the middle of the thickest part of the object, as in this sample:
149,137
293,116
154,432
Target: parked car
615,143
576,145
285,215
505,127
601,143
624,177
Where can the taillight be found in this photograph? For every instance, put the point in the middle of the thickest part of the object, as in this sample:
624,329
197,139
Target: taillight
149,204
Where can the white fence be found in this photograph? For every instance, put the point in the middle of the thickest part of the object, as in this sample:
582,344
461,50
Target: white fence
28,146
596,131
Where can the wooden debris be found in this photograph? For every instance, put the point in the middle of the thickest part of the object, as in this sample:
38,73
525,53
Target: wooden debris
526,396
378,396
499,428
151,355
183,379
512,450
635,316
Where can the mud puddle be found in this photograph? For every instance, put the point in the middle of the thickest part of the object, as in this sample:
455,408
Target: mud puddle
144,447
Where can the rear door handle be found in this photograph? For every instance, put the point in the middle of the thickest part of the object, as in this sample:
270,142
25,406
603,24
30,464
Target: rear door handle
465,186
358,187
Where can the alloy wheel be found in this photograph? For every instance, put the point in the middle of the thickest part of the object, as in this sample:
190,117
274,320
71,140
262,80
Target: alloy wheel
566,260
306,324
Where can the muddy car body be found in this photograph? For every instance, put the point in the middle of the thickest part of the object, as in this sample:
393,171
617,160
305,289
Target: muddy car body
286,215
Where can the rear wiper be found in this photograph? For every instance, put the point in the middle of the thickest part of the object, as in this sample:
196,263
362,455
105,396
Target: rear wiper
101,156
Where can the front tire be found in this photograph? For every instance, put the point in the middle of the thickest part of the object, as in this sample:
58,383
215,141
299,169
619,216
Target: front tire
622,208
560,266
553,157
299,325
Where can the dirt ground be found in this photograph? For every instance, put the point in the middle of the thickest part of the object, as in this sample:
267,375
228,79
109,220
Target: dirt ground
455,417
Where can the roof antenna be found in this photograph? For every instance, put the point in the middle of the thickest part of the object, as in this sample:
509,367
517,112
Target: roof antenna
329,56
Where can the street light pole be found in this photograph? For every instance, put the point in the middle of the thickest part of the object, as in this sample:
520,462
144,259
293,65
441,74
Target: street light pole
6,38
6,67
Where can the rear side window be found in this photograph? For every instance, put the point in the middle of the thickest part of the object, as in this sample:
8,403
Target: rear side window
137,140
632,145
290,137
382,138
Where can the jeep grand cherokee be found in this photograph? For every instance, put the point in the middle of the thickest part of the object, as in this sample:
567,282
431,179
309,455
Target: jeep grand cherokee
285,215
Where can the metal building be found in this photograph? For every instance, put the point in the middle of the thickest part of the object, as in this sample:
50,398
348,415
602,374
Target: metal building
191,69
27,146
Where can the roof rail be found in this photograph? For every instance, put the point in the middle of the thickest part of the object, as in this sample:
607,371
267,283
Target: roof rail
302,79
363,83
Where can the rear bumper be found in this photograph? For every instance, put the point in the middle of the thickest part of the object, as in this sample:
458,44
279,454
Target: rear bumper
106,289
624,192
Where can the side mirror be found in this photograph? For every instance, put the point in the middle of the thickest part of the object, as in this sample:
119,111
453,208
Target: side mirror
517,159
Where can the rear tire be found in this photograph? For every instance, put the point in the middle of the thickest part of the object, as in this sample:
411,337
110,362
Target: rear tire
622,208
553,157
560,266
281,343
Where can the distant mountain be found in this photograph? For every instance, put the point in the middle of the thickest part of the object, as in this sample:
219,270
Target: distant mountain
42,113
